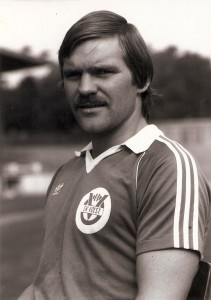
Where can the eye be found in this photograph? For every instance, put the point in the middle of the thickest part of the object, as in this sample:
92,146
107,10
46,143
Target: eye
72,75
102,72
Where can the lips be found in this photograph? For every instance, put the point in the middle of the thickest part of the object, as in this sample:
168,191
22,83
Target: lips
90,105
90,102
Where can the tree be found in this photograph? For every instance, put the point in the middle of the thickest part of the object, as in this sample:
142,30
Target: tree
184,82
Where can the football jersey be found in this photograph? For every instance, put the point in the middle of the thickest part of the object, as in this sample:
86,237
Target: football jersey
143,195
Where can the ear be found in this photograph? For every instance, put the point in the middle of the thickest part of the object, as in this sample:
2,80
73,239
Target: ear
144,88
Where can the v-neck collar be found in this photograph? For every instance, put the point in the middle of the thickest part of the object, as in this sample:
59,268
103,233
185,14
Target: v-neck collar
138,143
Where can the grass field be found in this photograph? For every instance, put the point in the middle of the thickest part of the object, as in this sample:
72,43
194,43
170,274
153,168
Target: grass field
21,238
21,241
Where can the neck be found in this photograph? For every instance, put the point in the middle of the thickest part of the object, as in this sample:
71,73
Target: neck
105,141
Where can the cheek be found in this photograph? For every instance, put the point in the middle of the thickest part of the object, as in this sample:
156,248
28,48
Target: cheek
70,91
70,87
126,94
128,98
125,86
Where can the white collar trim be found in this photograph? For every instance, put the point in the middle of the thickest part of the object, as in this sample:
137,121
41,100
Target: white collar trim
91,163
138,143
142,140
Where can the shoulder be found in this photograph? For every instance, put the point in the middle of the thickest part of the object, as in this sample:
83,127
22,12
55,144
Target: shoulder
159,156
168,161
165,151
64,171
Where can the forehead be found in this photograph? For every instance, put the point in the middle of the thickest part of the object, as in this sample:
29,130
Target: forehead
105,50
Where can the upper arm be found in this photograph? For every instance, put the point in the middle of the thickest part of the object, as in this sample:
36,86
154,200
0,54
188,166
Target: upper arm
173,208
172,201
165,274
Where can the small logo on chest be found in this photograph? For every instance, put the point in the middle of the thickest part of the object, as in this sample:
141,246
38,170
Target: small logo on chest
93,211
58,189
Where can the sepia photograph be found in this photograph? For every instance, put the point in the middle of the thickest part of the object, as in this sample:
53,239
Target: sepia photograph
105,142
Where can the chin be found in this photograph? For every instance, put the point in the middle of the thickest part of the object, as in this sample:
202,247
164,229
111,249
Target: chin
92,131
95,130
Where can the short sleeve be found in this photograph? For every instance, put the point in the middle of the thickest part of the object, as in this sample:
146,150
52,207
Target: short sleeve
173,200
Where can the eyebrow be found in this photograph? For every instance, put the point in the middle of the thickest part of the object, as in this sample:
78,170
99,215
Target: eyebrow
91,69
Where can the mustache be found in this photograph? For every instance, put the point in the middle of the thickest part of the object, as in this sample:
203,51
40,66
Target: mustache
90,100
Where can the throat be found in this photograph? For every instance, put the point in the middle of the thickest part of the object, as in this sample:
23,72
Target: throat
105,141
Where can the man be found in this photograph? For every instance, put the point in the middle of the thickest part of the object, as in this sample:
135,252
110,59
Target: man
127,217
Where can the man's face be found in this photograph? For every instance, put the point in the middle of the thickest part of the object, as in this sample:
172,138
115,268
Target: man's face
99,87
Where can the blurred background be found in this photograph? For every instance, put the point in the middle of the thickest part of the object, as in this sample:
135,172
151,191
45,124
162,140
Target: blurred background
37,130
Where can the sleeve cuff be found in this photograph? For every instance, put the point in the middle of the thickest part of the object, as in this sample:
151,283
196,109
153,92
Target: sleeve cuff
164,243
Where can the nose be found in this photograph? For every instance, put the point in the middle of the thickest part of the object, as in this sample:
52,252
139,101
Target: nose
87,85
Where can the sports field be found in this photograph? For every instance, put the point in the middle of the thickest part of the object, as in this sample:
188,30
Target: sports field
21,238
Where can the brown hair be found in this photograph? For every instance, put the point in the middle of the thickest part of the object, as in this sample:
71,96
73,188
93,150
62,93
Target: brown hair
101,24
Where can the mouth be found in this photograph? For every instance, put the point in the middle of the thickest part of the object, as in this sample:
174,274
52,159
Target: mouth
89,105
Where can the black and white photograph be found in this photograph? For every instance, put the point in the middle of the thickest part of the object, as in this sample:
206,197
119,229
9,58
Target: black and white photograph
105,142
